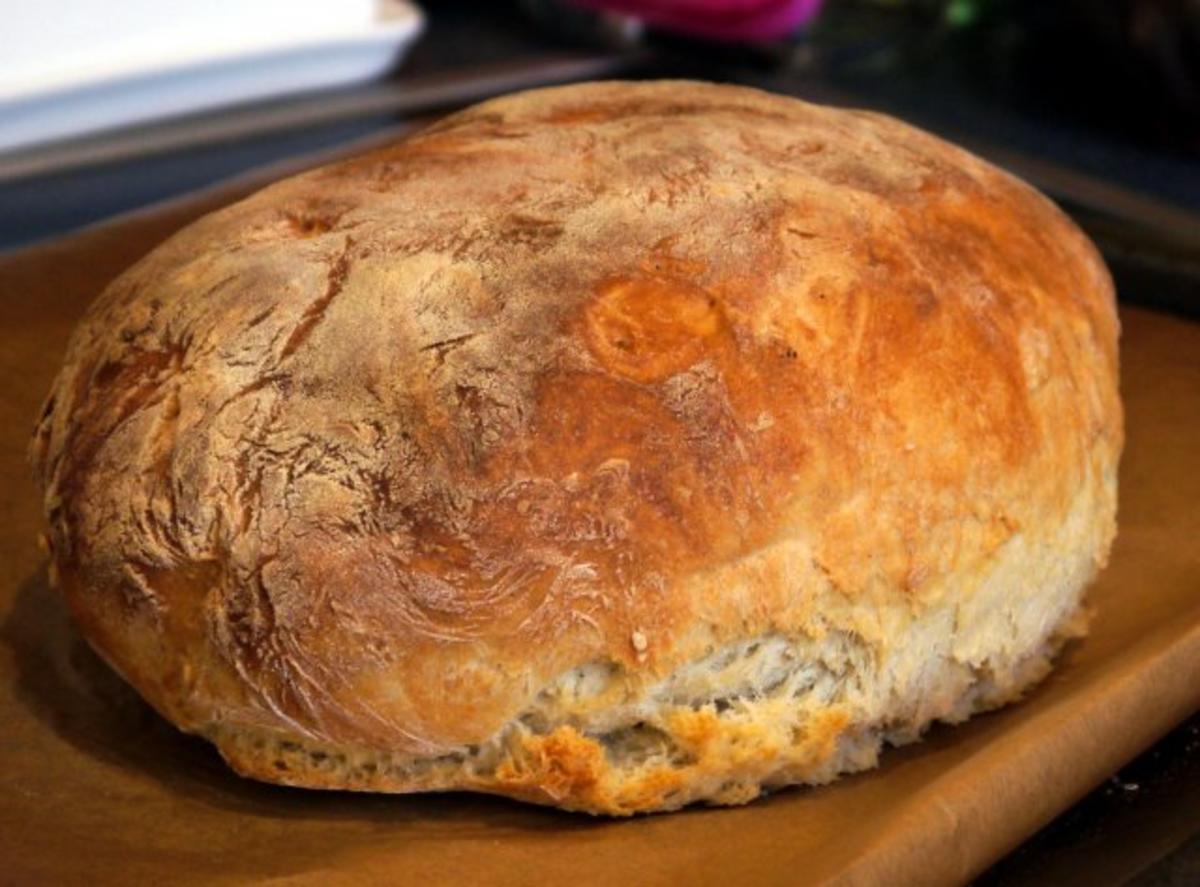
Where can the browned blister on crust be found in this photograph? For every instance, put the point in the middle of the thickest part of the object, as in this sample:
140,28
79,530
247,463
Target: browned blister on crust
612,446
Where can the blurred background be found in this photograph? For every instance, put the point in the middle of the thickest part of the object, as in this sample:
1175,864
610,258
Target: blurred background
106,108
199,89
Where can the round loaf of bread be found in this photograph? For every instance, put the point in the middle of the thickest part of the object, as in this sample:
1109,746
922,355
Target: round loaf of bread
614,446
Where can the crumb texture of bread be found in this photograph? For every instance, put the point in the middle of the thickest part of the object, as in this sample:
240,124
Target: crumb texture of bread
616,446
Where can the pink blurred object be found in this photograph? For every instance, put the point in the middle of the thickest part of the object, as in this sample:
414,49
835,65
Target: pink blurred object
730,20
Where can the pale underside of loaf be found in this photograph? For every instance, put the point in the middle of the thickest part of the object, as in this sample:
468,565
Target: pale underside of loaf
765,712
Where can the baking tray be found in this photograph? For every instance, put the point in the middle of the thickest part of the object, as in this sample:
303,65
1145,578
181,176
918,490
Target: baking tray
96,788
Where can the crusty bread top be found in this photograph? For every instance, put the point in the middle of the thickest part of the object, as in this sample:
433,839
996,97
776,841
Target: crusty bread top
375,453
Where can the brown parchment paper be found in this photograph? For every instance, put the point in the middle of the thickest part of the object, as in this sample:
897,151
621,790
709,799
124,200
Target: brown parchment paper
95,788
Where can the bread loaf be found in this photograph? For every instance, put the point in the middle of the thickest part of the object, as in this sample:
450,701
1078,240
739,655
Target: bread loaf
614,446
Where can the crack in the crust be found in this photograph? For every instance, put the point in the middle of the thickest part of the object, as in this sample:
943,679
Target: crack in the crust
144,391
251,388
139,575
260,317
447,344
806,235
824,570
315,312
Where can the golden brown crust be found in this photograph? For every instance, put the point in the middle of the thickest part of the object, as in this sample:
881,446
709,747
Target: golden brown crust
612,373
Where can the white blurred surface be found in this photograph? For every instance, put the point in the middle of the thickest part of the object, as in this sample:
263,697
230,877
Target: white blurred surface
70,67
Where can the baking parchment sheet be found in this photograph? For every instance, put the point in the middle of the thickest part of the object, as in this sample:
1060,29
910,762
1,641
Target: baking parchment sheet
95,788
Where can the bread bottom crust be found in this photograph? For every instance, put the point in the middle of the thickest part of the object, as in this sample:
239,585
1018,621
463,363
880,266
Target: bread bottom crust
796,706
803,728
